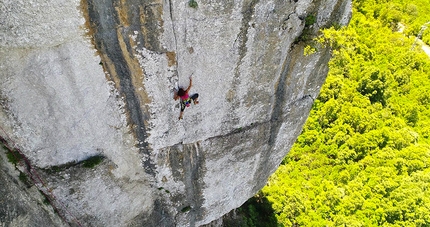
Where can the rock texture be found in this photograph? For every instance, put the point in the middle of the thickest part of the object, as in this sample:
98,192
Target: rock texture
95,78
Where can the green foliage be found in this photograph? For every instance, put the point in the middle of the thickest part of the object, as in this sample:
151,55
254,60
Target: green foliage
310,20
309,50
193,4
256,212
13,157
307,33
363,156
56,169
186,209
46,199
24,179
92,161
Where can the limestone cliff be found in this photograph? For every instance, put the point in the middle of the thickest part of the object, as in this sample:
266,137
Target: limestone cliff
94,80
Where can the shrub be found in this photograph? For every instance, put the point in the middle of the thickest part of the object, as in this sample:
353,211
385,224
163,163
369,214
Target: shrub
192,4
92,161
310,20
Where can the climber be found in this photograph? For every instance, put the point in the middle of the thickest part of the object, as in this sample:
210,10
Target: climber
185,98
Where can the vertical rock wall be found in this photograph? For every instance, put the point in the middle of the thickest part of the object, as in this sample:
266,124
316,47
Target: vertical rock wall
89,78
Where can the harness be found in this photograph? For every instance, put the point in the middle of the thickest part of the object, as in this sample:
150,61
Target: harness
186,100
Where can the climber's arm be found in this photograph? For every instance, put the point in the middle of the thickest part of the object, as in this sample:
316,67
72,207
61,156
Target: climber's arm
191,84
175,95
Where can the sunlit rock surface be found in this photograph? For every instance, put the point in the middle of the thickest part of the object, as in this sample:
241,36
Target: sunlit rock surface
95,78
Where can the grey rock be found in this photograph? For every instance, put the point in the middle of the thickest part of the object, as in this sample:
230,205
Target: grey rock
21,204
95,78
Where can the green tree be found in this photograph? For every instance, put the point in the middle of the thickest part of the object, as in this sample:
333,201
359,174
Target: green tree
363,156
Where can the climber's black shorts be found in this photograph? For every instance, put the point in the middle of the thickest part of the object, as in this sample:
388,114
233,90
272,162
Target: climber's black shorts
193,97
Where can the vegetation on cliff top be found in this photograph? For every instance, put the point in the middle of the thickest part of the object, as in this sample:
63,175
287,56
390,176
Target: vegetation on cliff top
363,157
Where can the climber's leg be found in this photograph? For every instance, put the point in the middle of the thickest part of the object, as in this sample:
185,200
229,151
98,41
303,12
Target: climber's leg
194,97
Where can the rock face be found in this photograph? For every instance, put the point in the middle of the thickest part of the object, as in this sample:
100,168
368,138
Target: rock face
95,78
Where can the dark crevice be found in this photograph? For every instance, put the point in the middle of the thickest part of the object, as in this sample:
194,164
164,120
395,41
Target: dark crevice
277,117
152,25
242,37
173,28
248,11
176,57
159,217
279,100
89,162
335,16
194,183
188,166
112,24
279,111
104,21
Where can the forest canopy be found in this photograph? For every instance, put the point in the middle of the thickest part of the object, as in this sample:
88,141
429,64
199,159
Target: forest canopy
364,153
